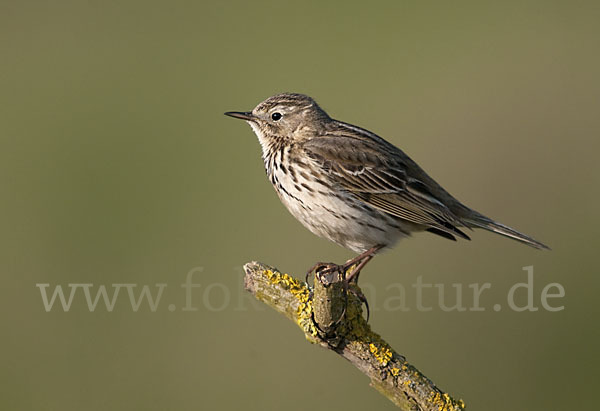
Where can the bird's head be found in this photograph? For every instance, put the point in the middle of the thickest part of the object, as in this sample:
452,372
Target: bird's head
286,116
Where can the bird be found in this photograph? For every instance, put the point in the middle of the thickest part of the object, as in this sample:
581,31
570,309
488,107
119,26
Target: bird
349,185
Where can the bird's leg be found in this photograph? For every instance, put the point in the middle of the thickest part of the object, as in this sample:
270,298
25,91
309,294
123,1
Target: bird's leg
362,260
322,270
352,276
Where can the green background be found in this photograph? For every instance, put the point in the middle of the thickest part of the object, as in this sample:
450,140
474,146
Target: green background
118,166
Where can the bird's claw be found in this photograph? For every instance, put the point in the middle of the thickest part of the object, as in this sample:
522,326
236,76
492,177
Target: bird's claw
361,297
324,272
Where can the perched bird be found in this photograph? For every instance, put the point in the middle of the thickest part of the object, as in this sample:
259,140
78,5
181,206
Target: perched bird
349,185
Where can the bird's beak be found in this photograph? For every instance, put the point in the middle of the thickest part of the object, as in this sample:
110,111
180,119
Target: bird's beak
244,115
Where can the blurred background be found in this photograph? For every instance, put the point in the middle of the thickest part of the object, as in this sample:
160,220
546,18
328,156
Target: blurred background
117,166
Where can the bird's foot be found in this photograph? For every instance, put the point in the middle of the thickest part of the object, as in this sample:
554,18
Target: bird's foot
326,272
355,291
349,270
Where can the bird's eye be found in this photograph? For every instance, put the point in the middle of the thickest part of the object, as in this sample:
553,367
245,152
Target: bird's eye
276,116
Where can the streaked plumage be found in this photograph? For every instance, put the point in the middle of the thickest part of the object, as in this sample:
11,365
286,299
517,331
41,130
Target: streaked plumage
351,186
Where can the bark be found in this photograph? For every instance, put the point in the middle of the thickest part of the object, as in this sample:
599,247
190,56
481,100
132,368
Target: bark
321,315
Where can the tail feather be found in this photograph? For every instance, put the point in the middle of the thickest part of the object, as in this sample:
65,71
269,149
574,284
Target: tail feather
481,221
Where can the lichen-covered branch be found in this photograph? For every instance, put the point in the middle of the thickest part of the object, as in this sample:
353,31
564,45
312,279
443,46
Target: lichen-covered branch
348,335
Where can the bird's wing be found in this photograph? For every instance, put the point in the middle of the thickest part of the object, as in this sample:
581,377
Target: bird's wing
382,176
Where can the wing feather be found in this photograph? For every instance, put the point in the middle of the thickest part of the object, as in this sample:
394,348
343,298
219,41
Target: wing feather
386,181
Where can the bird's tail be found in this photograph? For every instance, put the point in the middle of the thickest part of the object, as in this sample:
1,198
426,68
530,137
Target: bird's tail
481,221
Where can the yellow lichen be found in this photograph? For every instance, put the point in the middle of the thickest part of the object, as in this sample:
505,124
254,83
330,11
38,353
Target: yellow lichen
358,333
301,292
383,354
445,403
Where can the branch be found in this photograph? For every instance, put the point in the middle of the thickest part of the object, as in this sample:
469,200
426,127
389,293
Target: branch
351,336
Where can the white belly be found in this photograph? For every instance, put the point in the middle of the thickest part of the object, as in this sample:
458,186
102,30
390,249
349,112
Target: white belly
340,218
